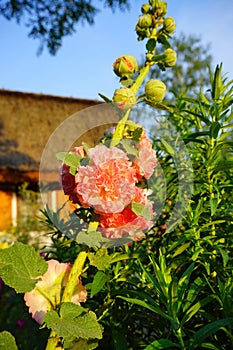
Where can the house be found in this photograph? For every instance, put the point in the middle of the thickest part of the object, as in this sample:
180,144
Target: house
27,121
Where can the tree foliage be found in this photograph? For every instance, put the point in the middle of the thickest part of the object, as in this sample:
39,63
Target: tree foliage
51,21
191,71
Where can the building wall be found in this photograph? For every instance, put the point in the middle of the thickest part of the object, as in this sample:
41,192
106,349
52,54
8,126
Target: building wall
26,122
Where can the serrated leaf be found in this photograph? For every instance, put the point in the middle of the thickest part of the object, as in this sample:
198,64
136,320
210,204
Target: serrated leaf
20,267
73,321
71,159
141,210
7,341
91,239
161,344
100,259
99,281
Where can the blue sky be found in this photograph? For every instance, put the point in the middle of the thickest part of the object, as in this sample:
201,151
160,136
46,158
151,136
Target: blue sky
83,66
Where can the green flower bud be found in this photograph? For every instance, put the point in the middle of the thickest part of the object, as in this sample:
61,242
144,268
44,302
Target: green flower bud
145,8
170,59
125,66
124,97
159,6
163,8
142,32
144,21
155,90
169,25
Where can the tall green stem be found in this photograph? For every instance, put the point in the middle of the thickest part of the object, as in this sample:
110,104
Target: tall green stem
73,277
77,268
119,132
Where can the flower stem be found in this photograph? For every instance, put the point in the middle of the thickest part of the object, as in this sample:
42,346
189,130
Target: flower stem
73,277
119,132
77,268
53,341
140,79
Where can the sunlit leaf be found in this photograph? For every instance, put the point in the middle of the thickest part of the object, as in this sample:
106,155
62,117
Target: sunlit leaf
20,267
7,341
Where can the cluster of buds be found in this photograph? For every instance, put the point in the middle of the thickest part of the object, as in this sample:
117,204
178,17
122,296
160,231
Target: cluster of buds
153,17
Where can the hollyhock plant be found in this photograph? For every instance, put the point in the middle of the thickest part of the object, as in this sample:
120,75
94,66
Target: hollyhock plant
145,161
108,179
108,183
47,292
128,223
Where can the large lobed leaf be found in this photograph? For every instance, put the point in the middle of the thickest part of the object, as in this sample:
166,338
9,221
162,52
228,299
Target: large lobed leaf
20,267
7,341
73,321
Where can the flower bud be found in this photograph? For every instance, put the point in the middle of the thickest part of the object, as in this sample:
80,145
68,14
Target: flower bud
144,21
125,66
142,32
155,90
124,98
163,8
145,8
170,59
159,6
169,25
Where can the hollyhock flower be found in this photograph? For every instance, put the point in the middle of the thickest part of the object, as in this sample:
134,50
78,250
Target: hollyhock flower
108,183
127,223
47,293
68,180
146,161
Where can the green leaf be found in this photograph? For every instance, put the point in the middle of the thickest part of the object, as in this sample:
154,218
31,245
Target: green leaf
105,98
195,308
217,83
150,45
20,267
161,344
129,148
73,321
71,159
84,344
158,58
100,259
225,257
207,331
91,239
181,249
119,339
7,341
155,308
167,147
214,129
99,281
141,210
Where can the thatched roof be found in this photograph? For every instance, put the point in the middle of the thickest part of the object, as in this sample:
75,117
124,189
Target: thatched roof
28,120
